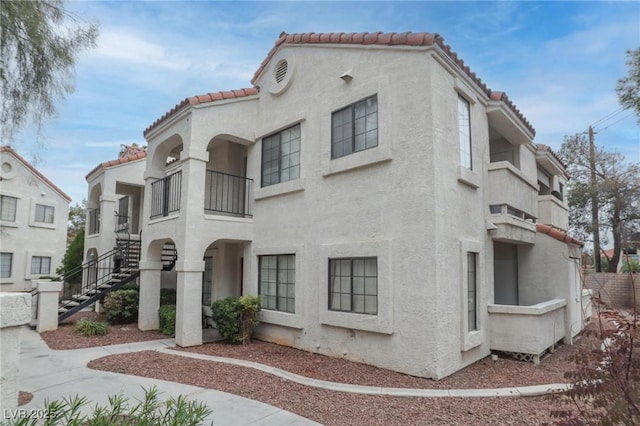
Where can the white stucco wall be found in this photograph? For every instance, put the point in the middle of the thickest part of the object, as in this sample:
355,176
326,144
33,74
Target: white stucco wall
406,202
25,237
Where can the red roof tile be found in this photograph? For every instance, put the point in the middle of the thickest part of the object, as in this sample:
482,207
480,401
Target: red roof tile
546,148
201,99
558,234
126,159
24,162
377,38
390,39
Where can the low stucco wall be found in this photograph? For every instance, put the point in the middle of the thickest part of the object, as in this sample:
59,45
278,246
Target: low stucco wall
527,329
15,311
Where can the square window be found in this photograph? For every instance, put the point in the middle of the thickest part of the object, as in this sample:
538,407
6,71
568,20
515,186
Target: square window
355,128
44,214
281,156
353,285
40,265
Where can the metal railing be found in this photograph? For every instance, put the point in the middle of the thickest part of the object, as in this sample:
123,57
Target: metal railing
226,193
92,275
94,221
165,195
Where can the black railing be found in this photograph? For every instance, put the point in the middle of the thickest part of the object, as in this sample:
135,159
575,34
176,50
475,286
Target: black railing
94,221
165,195
225,193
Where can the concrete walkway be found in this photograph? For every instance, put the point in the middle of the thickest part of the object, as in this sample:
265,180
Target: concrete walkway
53,375
376,390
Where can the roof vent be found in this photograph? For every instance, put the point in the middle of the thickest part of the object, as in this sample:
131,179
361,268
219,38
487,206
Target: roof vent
281,70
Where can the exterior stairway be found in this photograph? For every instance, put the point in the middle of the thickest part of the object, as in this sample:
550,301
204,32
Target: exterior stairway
109,272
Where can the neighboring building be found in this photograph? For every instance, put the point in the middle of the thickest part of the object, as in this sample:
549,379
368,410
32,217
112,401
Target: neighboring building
114,206
385,204
33,223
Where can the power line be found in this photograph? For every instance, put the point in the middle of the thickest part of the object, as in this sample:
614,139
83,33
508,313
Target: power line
617,121
608,116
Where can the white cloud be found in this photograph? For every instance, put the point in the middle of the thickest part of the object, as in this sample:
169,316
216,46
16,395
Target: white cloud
120,45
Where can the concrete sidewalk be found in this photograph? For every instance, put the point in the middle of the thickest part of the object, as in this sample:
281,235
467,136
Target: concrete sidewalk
52,375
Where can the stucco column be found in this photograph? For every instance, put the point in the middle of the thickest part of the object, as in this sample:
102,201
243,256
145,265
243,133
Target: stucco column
15,311
48,301
189,303
107,222
149,302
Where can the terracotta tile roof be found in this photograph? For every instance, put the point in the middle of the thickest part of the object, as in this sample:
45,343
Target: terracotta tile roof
389,39
24,162
558,234
546,148
378,38
201,99
126,159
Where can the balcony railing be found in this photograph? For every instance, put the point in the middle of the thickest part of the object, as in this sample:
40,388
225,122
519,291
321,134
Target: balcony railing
225,193
94,221
165,195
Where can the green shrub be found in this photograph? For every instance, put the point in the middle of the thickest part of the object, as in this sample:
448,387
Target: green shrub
167,296
632,266
151,411
168,320
88,327
236,318
121,306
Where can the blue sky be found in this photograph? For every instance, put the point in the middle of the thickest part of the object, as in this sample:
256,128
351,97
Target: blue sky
558,62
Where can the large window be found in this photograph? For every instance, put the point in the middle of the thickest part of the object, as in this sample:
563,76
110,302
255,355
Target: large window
355,128
281,156
464,130
8,208
40,265
5,264
44,213
277,282
353,285
472,293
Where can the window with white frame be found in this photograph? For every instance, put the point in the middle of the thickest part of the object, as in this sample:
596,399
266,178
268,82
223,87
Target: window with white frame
40,265
355,128
6,259
277,282
44,214
281,156
472,291
8,206
353,285
464,132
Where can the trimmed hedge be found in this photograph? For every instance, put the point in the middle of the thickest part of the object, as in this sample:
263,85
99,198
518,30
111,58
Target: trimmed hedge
121,306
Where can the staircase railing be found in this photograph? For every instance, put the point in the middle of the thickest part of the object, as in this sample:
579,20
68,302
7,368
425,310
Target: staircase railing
169,256
91,280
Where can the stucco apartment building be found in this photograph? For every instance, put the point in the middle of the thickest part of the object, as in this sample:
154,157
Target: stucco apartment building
33,223
386,205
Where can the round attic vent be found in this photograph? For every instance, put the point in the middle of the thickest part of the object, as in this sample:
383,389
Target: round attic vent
281,70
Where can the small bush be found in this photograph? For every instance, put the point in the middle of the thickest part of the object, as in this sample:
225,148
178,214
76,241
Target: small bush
151,411
236,318
121,306
168,320
88,327
167,296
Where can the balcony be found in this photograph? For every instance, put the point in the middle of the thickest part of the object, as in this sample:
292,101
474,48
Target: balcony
513,201
552,211
165,195
227,194
527,330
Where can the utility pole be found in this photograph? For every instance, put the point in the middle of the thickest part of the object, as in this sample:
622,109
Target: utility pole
594,204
